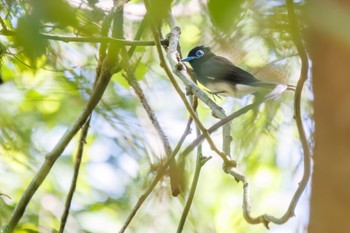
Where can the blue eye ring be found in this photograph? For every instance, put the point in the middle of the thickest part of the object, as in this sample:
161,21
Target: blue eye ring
199,53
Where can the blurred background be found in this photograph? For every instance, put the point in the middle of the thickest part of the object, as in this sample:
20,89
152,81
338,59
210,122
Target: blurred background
45,83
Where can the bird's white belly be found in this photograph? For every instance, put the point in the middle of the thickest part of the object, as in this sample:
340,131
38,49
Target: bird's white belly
225,89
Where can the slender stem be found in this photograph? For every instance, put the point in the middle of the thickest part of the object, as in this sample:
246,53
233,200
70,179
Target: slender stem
130,77
73,186
195,180
266,219
5,195
194,144
51,157
68,39
3,25
102,55
156,179
219,124
173,53
144,196
138,35
164,65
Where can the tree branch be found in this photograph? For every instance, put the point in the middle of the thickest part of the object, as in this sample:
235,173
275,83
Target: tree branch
102,55
266,219
156,179
3,25
73,185
51,157
181,72
164,65
199,164
111,40
138,35
101,85
175,185
193,145
219,124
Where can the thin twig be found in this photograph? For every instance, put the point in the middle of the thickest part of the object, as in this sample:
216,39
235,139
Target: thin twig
102,51
159,175
73,185
181,72
200,161
160,172
275,61
138,35
52,156
219,124
144,196
3,25
266,219
130,77
164,65
5,195
102,55
199,165
186,132
68,39
193,145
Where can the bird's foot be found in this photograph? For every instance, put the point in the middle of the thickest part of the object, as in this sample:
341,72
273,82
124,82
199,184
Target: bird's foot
215,94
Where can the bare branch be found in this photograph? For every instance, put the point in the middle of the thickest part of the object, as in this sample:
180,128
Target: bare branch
266,219
199,165
138,35
3,25
193,145
181,72
50,159
102,55
152,116
112,40
5,195
221,123
164,65
156,179
73,185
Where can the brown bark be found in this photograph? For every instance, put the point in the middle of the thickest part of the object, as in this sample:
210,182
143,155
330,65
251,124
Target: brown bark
330,200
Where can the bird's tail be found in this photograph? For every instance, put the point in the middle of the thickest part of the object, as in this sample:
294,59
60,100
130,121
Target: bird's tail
276,88
277,91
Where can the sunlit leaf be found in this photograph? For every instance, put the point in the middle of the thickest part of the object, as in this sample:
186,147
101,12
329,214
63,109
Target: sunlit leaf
55,11
225,13
28,37
160,9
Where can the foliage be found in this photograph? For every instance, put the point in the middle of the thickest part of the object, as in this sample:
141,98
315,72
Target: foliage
48,82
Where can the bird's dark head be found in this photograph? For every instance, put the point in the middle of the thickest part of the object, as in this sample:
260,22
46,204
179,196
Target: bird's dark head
198,53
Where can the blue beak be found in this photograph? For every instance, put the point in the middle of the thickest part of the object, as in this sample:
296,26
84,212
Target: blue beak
188,59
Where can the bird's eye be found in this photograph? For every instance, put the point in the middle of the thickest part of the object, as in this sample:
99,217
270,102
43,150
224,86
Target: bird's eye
199,53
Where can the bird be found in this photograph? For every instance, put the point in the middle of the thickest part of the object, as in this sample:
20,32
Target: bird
222,77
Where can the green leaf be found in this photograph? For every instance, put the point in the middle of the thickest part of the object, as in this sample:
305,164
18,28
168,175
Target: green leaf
55,11
225,13
28,37
160,9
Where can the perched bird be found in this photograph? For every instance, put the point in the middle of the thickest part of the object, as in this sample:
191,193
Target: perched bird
222,77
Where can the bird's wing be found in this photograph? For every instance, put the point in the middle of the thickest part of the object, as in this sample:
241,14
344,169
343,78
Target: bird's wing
220,69
223,70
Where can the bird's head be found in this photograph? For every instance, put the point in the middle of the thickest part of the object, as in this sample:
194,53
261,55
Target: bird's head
198,53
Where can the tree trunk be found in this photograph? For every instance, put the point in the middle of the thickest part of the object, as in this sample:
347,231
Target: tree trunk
330,200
